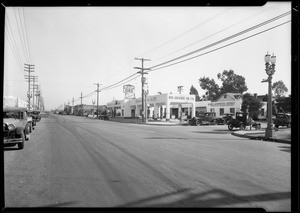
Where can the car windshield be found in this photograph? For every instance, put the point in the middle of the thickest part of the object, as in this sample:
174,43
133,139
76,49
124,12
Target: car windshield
11,115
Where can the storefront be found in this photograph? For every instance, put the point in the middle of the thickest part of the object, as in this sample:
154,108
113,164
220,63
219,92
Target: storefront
163,106
226,103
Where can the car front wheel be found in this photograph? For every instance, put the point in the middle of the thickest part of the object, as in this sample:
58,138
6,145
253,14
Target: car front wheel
198,122
230,126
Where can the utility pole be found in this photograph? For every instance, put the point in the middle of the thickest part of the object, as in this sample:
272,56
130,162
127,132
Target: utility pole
34,88
81,104
98,84
143,81
29,68
179,88
72,106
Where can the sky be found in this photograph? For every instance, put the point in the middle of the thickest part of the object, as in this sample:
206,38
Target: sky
72,48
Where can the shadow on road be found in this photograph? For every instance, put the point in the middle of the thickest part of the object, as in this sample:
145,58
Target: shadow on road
214,132
11,148
211,198
69,203
285,148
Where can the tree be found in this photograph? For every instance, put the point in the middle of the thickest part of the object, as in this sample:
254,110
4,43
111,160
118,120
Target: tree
251,105
193,91
283,103
279,89
212,89
231,82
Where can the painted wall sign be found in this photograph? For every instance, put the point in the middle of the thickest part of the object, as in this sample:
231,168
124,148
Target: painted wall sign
129,91
219,104
180,98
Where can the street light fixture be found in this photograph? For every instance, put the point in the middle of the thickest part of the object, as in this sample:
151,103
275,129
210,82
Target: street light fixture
270,70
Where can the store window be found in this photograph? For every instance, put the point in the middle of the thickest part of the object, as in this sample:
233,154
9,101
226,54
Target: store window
232,110
262,112
212,109
221,111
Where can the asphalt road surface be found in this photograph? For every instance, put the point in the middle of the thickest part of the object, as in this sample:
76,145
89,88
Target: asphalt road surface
81,162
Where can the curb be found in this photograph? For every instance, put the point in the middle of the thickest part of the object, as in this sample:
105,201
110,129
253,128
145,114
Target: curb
262,138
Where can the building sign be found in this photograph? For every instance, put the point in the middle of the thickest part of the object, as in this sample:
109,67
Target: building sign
219,104
129,91
180,98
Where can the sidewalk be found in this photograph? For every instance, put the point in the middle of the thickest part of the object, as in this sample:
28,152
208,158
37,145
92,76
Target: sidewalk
283,135
174,122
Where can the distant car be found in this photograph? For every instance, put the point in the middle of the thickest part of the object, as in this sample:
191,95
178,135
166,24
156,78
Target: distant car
16,128
282,119
36,116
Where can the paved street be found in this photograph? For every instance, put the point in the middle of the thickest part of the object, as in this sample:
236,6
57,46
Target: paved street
82,162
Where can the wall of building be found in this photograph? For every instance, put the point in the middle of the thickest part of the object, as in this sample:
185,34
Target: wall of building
11,101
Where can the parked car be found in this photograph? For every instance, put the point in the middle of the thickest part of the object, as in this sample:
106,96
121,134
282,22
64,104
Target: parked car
16,128
282,119
36,115
204,118
241,121
30,121
225,118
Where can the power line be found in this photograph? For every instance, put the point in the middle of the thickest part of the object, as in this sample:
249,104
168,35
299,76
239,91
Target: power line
23,35
13,51
201,49
222,46
106,88
94,37
20,34
211,35
184,33
9,31
28,44
121,83
223,40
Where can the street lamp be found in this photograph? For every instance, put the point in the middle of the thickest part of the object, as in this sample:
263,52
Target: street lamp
270,70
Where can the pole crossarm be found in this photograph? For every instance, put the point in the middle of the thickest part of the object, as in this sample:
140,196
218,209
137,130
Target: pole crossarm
142,72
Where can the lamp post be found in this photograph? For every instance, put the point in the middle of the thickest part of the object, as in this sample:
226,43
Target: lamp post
270,70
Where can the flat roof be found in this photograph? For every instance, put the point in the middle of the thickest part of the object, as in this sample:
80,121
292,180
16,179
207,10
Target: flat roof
8,109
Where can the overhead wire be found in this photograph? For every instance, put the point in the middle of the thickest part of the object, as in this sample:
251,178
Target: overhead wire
211,35
184,33
13,51
27,38
225,39
102,46
201,49
10,32
222,46
23,35
119,83
20,36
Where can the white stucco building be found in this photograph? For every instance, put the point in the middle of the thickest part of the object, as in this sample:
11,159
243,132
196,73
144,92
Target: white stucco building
11,101
226,103
162,106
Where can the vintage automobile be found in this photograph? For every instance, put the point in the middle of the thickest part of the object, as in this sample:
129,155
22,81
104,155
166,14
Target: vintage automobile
282,119
241,121
16,128
36,115
225,118
204,118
